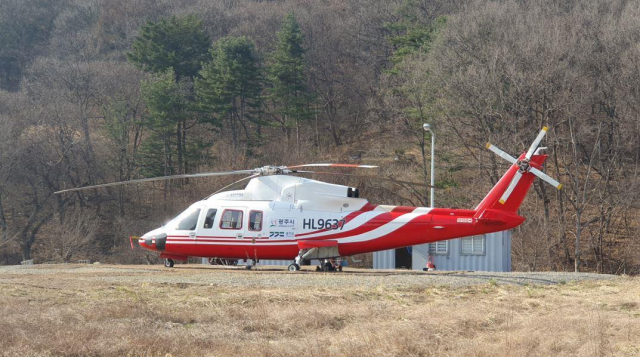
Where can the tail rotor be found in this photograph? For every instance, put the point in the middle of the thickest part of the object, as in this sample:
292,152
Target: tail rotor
524,166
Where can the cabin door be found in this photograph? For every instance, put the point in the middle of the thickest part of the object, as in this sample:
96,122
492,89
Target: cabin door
255,227
233,222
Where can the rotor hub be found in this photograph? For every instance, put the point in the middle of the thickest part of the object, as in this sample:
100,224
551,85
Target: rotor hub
272,170
524,165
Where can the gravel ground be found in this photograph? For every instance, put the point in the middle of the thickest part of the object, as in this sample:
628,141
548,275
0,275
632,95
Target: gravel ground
276,277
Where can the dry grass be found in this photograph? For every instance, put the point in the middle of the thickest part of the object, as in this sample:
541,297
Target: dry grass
81,314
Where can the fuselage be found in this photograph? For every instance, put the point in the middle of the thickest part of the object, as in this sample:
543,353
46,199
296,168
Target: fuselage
312,214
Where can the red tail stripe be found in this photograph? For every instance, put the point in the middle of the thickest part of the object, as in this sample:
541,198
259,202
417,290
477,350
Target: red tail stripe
367,207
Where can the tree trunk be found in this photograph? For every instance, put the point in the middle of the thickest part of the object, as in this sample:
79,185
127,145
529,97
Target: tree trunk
331,114
167,167
122,168
3,222
185,157
25,247
297,138
561,205
578,234
234,133
87,138
317,133
180,149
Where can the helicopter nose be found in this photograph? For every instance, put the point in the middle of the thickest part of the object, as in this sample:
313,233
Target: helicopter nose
156,241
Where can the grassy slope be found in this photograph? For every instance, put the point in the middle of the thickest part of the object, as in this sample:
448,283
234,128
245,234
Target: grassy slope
92,314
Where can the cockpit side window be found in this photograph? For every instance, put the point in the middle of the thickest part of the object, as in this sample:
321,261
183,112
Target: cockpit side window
209,218
189,222
255,221
231,219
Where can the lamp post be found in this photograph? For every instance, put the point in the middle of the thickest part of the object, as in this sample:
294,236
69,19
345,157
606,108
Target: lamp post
427,127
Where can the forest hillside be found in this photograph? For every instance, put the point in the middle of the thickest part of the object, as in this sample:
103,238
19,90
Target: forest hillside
96,91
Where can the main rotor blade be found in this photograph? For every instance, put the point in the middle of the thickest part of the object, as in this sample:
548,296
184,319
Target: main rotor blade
536,142
512,186
336,165
162,178
501,153
546,178
364,176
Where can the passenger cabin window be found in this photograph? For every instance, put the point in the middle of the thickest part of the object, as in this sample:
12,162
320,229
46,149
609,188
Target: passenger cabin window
231,219
189,222
255,221
211,216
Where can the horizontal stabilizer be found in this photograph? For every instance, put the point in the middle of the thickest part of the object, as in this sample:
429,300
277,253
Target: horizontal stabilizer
494,216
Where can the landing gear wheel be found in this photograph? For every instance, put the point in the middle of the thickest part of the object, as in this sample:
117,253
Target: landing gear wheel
250,265
327,266
340,268
168,263
294,267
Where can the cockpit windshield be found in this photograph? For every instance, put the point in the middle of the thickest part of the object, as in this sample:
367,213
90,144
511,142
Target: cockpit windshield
185,221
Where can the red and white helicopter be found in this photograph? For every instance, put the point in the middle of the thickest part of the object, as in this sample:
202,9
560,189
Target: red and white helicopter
286,217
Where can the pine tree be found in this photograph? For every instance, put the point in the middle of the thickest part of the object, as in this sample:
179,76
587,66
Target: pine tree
288,91
230,84
177,43
167,105
411,32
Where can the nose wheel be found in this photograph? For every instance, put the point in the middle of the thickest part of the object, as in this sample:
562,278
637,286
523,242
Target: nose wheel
294,267
168,263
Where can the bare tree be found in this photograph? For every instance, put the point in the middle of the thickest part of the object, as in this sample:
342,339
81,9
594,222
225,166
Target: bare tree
72,236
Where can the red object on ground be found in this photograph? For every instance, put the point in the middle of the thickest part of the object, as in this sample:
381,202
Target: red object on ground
430,264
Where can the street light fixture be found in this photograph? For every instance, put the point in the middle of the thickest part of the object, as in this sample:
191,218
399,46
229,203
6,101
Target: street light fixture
427,127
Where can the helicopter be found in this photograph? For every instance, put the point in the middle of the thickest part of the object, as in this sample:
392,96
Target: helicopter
282,216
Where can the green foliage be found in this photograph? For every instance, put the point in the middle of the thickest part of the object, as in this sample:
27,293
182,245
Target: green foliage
167,101
198,152
153,159
411,89
167,106
123,129
177,43
230,83
413,37
412,33
118,122
289,89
